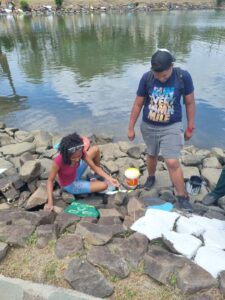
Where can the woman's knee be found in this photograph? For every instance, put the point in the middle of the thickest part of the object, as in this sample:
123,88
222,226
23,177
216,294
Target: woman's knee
98,186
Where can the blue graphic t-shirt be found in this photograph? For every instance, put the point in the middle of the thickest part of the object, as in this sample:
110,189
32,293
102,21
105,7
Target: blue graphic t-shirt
162,105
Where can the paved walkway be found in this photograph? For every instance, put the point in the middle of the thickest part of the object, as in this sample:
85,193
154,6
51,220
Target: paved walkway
17,289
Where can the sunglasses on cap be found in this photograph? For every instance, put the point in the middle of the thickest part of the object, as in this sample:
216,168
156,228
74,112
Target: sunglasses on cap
76,148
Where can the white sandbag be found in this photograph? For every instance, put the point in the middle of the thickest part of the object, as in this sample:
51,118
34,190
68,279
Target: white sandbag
183,243
211,259
185,225
215,238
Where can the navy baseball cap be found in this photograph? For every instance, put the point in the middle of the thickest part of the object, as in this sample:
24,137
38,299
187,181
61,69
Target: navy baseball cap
161,60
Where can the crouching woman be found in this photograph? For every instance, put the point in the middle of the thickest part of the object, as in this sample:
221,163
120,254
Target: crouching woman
69,166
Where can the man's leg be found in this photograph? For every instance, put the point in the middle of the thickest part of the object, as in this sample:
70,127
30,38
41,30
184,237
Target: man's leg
151,167
176,176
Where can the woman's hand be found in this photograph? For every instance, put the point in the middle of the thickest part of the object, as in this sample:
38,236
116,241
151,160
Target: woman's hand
48,207
114,181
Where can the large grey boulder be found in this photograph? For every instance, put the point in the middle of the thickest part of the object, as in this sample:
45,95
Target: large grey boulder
68,245
3,250
161,264
192,279
222,282
30,170
103,257
132,249
64,220
83,277
17,149
16,235
94,234
211,175
39,197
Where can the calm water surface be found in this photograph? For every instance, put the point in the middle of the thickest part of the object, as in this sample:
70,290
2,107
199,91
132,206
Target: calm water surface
81,72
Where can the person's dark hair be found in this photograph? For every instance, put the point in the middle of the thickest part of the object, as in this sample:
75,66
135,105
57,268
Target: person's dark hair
69,141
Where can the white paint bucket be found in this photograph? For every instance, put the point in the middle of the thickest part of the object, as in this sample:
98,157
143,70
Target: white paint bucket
132,177
193,185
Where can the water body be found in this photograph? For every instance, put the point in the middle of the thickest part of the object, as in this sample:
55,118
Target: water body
81,72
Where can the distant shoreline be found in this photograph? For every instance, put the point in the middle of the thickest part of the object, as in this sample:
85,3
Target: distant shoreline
48,6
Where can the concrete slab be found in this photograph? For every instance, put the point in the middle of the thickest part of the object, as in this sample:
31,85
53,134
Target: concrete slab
18,289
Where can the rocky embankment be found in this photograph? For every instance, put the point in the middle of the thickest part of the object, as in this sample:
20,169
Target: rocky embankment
49,7
108,243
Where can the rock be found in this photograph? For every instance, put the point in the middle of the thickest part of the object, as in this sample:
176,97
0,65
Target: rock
8,190
211,162
23,136
39,197
222,282
5,164
192,160
68,245
17,149
94,234
27,156
161,264
3,250
83,277
125,146
111,166
190,171
190,284
134,152
42,139
16,234
211,175
214,215
134,205
64,220
30,170
162,180
149,201
132,249
109,213
5,139
218,153
103,257
119,198
101,139
45,233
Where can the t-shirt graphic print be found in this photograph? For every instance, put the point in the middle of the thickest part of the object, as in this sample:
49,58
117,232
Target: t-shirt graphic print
161,106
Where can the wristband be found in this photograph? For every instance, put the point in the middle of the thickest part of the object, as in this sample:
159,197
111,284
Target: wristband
190,129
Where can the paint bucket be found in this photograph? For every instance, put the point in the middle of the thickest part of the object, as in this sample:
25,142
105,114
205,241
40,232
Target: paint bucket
193,185
132,177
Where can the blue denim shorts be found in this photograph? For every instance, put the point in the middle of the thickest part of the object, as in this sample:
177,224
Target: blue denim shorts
79,186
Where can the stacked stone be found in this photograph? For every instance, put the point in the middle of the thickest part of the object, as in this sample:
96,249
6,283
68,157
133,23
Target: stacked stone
27,158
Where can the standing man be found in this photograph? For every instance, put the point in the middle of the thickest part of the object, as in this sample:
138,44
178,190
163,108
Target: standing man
159,93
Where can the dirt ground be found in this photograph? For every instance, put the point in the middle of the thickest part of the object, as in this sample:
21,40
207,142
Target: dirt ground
21,263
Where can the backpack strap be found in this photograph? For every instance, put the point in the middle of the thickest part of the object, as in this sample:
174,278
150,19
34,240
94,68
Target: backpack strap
179,75
181,81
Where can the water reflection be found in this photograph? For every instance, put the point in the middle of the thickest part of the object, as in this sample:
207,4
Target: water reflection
88,66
